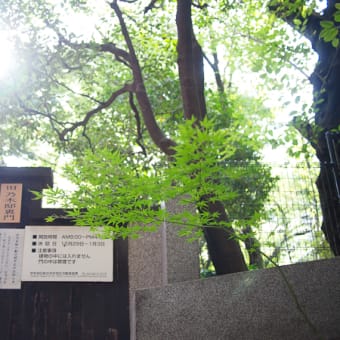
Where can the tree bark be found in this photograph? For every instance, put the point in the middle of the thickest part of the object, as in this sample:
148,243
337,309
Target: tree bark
253,248
326,102
190,64
157,135
224,250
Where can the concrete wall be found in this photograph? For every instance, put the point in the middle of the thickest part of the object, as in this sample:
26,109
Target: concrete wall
250,305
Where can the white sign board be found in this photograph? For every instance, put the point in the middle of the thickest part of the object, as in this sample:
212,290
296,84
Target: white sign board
61,253
11,251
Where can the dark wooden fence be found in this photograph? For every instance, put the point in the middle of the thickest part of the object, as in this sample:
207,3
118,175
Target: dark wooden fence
61,310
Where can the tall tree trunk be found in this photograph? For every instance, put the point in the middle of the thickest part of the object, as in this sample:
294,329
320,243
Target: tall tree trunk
223,249
328,183
190,64
326,89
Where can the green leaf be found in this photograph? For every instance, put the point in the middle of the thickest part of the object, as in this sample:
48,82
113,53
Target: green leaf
326,24
335,42
337,16
329,34
297,22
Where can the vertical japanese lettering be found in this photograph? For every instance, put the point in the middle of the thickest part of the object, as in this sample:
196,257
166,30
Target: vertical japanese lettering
10,202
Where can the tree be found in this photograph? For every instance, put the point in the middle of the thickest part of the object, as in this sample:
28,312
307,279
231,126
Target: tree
67,56
63,100
320,27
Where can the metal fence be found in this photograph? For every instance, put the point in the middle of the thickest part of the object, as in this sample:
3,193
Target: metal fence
288,228
292,232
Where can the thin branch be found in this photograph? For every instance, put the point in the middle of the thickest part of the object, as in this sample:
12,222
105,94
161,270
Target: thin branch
199,6
150,6
74,92
299,69
69,67
87,138
155,132
39,113
90,114
138,123
259,41
120,54
214,66
33,112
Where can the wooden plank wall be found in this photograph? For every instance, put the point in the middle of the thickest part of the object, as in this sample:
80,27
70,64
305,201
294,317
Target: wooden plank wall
60,310
69,311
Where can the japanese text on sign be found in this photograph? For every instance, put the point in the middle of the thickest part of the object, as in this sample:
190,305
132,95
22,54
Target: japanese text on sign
66,254
11,248
10,202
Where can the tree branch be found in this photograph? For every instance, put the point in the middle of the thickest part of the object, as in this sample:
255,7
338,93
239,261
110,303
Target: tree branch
157,135
90,114
53,120
76,93
215,67
199,6
150,6
138,123
289,13
120,55
84,134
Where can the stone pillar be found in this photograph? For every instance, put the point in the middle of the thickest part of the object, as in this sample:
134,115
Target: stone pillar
161,258
182,257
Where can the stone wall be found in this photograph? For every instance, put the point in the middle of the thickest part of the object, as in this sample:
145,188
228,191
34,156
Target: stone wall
249,305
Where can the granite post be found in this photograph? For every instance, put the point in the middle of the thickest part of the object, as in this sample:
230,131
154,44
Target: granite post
161,258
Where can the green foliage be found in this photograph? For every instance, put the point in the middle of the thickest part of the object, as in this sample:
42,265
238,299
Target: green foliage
119,174
109,193
61,83
330,32
126,201
200,155
330,28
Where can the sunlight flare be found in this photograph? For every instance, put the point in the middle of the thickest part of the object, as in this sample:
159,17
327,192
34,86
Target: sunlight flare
6,55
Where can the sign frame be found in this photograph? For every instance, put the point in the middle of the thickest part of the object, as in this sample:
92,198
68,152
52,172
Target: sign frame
66,254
